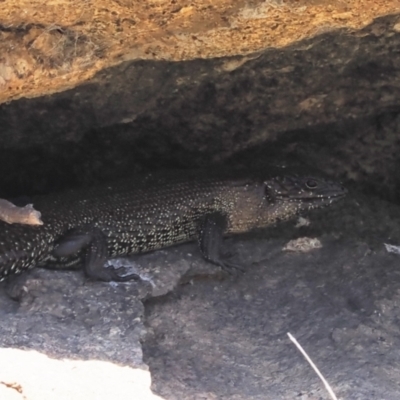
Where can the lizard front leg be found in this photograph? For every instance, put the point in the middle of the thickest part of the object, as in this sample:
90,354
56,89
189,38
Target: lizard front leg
94,244
211,231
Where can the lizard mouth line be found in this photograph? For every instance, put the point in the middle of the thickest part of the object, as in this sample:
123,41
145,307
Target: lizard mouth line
321,198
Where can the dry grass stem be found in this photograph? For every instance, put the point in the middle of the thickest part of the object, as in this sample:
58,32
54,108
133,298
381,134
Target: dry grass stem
324,381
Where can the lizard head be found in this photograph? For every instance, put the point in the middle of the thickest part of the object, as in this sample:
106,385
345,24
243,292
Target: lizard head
303,192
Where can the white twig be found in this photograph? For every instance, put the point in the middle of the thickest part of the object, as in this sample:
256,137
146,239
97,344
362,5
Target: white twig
324,381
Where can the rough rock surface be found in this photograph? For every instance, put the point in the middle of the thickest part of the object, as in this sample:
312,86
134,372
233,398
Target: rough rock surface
49,47
331,101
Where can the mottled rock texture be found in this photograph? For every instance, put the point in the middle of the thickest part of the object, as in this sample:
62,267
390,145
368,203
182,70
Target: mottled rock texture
49,47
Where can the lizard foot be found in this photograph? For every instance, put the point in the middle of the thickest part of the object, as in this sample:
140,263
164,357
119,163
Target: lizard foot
230,267
113,275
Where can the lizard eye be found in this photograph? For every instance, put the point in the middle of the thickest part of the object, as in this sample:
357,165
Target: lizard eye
311,184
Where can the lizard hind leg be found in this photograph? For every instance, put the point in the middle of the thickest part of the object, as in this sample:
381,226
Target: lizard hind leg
93,242
72,243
